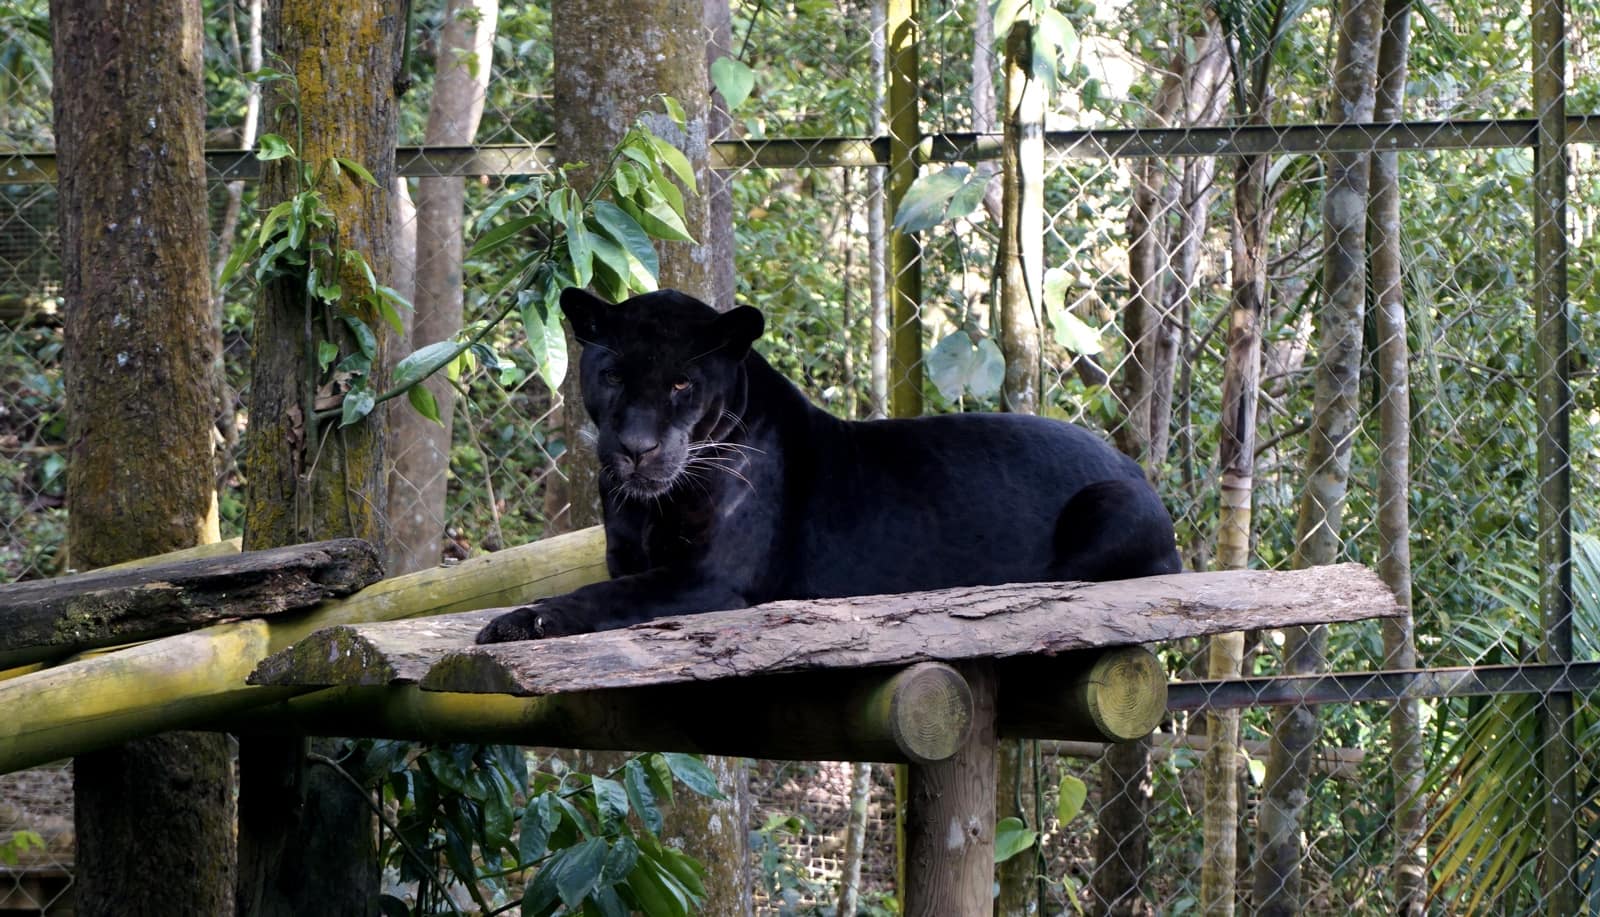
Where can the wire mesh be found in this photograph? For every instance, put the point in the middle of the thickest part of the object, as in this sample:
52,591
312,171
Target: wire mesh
813,251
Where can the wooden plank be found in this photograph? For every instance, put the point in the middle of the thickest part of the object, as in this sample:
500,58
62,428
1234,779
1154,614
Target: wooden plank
43,619
948,625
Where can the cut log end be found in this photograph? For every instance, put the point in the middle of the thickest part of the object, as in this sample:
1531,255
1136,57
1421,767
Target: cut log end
930,711
1125,693
1112,695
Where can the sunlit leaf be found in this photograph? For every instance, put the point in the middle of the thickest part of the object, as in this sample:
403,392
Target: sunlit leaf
734,79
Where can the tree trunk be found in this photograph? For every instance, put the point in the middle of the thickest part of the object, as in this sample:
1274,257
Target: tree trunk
1276,884
877,255
154,818
1020,304
1394,468
1122,856
305,836
419,449
855,839
611,59
1022,228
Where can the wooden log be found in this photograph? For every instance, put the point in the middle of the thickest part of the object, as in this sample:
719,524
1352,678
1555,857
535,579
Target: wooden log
45,619
949,818
920,713
1116,695
180,681
991,622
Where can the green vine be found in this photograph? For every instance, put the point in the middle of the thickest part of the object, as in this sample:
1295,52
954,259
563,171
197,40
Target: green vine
603,237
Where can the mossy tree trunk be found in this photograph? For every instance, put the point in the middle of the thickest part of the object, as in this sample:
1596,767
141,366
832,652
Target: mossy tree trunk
305,836
612,59
154,818
418,448
1285,795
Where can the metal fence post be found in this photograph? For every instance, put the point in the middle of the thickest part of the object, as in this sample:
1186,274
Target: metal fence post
1558,755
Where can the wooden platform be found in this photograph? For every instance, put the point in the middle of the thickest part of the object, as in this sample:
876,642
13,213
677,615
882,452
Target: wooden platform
1063,654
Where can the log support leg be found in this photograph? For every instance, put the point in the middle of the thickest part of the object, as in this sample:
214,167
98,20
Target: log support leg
949,818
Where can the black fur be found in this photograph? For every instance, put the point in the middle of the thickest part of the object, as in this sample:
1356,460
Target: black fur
724,487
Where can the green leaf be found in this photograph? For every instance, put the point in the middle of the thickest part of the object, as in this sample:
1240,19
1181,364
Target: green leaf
657,217
269,223
358,168
676,161
692,772
504,233
611,800
242,252
364,336
424,362
266,75
580,249
989,371
547,344
951,364
674,110
327,352
538,821
734,79
626,231
1075,334
1070,798
969,195
641,796
1011,837
272,146
329,292
620,860
358,403
580,869
421,398
928,198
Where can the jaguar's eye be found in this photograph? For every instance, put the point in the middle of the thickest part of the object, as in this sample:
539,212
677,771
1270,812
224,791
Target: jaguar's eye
680,383
610,377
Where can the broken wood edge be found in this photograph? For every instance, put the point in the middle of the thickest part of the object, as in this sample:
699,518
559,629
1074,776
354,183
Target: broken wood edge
920,713
338,655
1114,695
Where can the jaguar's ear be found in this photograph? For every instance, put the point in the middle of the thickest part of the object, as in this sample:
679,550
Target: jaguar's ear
738,328
587,313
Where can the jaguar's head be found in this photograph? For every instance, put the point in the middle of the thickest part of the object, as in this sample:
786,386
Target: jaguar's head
661,381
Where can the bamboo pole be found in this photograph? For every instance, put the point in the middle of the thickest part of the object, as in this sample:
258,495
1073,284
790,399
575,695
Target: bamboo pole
200,676
920,713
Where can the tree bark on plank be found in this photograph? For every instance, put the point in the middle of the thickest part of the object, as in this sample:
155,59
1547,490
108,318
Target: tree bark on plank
1276,883
153,817
305,836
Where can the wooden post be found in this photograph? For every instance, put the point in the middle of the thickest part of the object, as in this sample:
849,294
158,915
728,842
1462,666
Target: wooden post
949,817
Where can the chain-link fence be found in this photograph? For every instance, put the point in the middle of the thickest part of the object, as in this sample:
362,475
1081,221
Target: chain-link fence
1169,131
